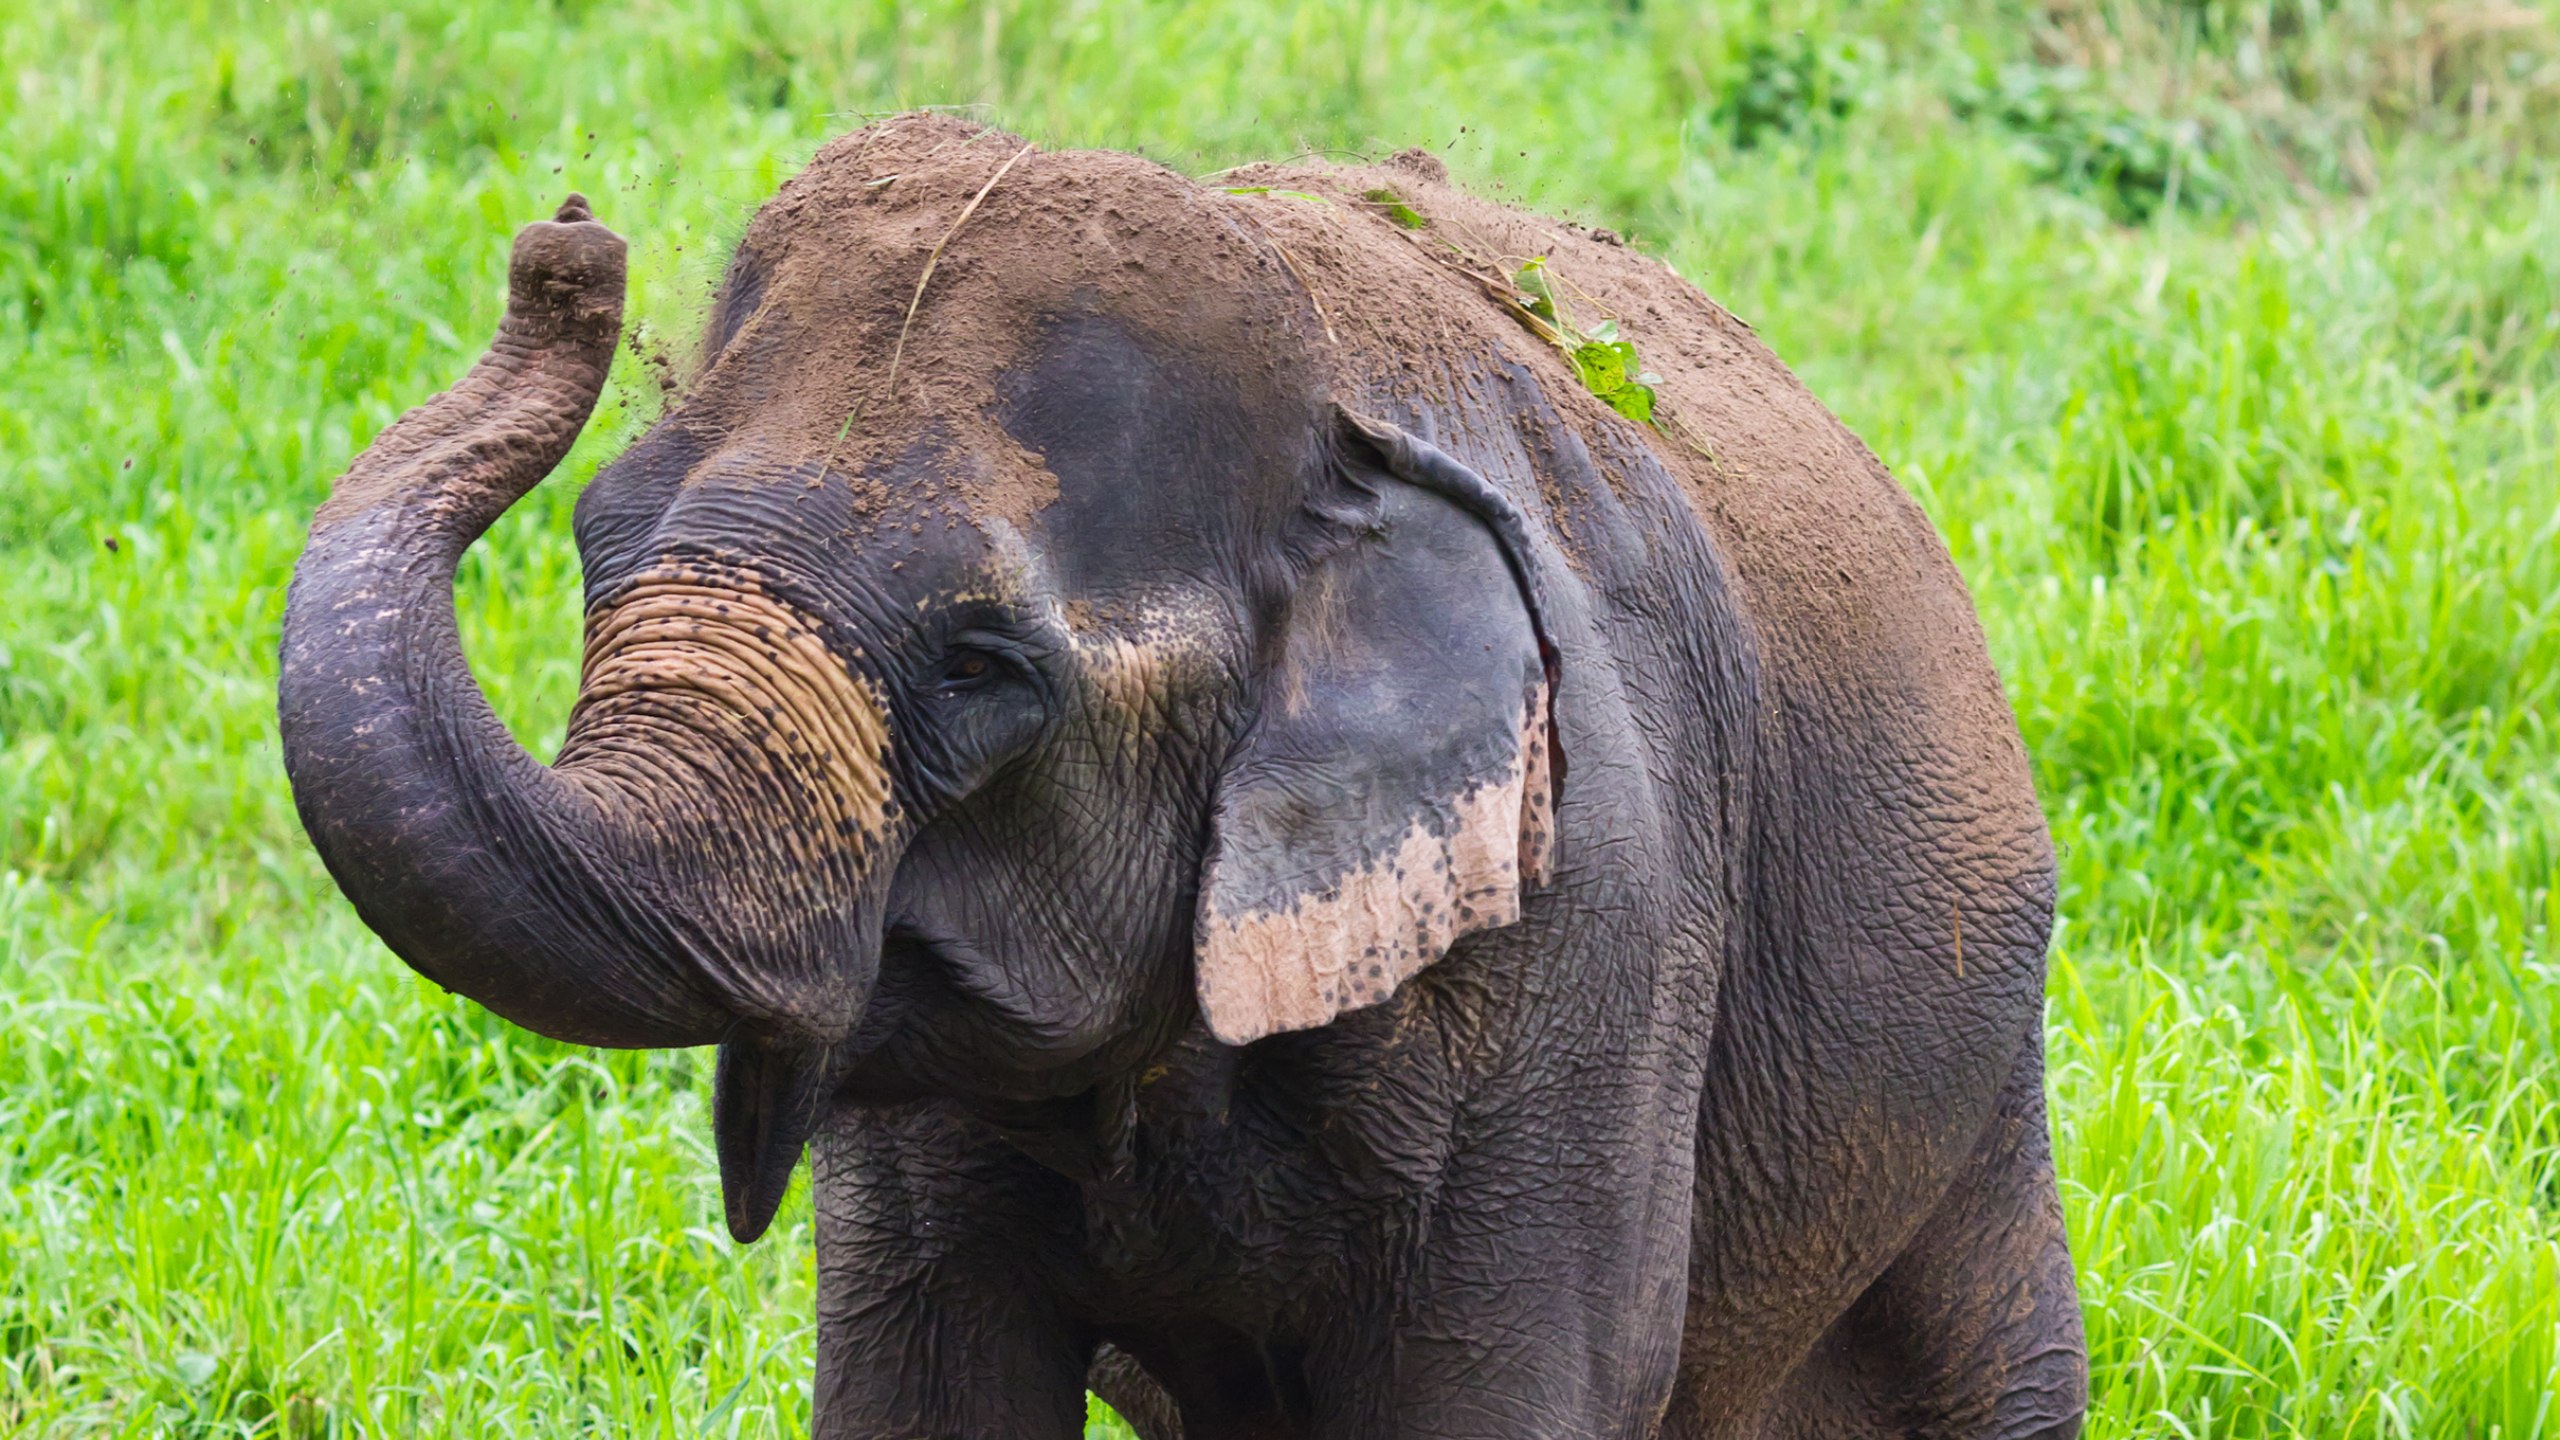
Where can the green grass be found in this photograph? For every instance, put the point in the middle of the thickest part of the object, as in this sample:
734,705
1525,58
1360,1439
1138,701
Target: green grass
2221,339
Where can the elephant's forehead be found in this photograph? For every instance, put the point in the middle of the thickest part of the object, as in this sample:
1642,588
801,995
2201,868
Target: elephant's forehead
913,280
1121,453
1160,461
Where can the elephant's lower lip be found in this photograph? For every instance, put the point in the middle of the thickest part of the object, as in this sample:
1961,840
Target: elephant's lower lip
766,1102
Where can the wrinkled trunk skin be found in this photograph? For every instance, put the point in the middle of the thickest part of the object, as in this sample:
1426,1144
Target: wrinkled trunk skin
699,867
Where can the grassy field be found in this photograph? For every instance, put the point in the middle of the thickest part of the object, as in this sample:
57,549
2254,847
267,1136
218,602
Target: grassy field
2221,339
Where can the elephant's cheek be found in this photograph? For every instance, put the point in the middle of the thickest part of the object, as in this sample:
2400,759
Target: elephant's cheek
1137,674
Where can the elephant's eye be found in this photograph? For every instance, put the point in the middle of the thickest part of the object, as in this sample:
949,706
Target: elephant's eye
966,669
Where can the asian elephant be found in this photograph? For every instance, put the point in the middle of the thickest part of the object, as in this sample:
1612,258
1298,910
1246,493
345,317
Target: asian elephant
1280,853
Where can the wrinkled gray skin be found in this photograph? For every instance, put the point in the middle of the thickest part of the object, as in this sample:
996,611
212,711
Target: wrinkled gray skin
1329,919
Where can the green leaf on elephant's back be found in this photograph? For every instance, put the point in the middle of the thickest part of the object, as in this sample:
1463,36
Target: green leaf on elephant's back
1603,365
1610,371
1633,401
1398,211
1537,296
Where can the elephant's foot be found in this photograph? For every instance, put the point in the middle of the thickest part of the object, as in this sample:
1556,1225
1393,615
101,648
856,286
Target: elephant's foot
1134,1395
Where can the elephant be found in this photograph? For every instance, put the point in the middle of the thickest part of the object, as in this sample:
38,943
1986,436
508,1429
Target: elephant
1287,853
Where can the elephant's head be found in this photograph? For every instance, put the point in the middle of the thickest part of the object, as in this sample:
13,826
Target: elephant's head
976,671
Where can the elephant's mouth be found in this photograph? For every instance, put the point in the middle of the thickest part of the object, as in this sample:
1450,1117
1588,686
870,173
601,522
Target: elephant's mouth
778,1081
773,1090
766,1101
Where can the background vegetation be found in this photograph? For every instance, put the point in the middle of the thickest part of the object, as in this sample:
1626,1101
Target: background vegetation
2219,336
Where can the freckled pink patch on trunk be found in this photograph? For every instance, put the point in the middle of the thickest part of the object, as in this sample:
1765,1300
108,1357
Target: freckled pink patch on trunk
703,673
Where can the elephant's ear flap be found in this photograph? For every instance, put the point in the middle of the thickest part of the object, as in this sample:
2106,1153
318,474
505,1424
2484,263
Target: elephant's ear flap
1396,787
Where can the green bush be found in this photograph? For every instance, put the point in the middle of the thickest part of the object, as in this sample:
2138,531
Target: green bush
2074,136
1784,84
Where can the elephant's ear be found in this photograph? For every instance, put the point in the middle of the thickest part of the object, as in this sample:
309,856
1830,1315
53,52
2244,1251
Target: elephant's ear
1396,787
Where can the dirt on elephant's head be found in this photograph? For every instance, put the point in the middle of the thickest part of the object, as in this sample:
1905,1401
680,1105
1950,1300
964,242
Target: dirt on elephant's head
878,300
884,292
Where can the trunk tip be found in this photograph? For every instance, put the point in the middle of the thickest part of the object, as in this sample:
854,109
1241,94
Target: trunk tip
568,271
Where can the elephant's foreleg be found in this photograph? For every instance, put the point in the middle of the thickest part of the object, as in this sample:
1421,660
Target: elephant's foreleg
1545,1294
936,1315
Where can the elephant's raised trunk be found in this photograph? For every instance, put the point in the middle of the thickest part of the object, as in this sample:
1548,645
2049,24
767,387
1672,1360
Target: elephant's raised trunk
705,861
